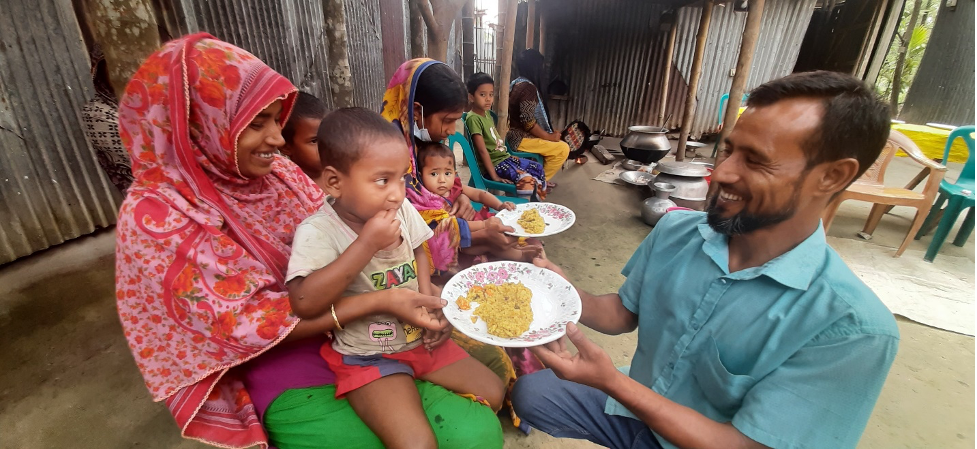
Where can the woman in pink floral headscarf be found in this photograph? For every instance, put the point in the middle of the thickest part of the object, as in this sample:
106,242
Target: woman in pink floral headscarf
204,237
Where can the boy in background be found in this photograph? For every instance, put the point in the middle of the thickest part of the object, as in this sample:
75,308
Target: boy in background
300,133
493,158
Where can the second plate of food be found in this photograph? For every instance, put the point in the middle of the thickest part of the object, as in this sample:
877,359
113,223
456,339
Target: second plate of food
537,219
510,304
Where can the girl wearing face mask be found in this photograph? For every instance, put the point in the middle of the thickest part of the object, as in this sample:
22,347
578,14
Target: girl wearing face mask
425,99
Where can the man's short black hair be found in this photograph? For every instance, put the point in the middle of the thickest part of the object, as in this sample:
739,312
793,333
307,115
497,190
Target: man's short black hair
477,80
426,149
345,132
306,106
855,123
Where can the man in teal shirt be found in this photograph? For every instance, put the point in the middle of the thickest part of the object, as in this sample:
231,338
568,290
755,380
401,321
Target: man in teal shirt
751,331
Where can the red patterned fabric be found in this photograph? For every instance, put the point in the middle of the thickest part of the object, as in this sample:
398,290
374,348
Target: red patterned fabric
202,250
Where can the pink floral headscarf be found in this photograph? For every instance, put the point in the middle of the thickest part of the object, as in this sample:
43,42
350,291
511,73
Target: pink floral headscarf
202,250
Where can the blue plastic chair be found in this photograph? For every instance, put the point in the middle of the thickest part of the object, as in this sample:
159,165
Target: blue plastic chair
495,117
722,107
477,180
958,195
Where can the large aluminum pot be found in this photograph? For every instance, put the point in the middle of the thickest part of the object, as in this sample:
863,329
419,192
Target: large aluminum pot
645,144
689,180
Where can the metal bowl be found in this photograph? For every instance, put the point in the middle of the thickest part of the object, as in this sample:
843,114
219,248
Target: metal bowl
631,164
689,180
637,178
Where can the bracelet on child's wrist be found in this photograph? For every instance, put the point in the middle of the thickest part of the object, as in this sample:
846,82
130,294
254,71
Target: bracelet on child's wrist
335,319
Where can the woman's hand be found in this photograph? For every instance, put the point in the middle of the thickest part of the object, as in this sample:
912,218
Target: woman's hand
416,309
554,137
509,205
462,208
494,225
497,236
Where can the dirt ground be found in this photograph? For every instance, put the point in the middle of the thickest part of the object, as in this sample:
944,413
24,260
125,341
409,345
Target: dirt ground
68,379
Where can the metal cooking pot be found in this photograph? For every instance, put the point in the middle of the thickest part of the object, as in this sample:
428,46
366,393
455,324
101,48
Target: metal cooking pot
689,180
645,144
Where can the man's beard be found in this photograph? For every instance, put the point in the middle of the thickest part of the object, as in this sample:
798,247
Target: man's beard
745,222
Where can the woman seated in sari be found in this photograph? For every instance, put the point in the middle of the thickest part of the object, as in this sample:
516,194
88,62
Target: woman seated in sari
529,125
425,99
204,236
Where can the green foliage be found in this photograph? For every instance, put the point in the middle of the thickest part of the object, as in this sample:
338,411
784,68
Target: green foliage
914,49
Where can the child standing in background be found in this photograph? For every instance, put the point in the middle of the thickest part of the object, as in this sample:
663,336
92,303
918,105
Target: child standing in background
495,161
364,245
300,133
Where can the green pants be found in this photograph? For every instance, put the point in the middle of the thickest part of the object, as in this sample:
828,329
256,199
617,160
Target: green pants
313,418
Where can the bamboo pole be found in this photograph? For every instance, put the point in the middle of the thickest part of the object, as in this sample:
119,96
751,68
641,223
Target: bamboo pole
751,33
530,23
505,59
700,47
667,76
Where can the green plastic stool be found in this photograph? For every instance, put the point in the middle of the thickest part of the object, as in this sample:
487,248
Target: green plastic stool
958,196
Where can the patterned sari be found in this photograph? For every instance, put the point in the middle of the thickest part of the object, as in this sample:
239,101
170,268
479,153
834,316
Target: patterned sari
398,107
202,250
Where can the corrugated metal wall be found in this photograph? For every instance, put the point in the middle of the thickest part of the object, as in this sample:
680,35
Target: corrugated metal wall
51,187
781,33
607,52
612,55
289,36
365,52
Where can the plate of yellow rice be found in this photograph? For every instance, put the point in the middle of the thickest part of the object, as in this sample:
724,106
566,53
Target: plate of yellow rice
537,219
510,304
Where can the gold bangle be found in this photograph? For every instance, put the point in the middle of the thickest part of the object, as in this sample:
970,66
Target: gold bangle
332,307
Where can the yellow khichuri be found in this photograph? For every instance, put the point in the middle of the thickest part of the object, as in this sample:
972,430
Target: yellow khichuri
506,308
532,222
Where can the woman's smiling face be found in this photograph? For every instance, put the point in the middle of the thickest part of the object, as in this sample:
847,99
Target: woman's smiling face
259,142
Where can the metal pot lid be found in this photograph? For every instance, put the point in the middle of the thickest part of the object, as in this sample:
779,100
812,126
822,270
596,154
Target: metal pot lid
646,129
683,169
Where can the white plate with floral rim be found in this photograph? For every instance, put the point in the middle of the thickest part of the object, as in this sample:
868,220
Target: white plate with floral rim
555,302
558,218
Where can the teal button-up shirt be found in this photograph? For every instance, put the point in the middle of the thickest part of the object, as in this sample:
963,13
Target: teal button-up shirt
794,353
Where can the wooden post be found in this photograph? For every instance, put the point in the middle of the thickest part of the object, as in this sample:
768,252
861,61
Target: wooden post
667,76
340,75
505,59
695,74
542,33
751,33
530,23
468,38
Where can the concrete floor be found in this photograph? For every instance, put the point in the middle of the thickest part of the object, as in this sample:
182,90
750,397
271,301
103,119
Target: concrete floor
68,379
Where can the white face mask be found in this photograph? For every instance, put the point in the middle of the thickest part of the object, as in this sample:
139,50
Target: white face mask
422,133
